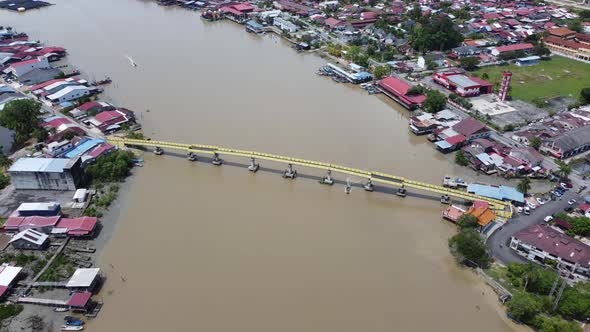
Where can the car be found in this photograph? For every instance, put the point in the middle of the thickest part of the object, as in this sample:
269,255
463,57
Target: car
571,202
519,209
531,205
548,218
540,201
527,210
563,186
568,209
558,193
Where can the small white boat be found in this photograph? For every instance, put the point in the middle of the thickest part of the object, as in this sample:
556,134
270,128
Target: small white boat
131,60
61,309
71,328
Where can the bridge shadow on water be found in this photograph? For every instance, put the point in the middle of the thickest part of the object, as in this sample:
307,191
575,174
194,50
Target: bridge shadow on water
354,184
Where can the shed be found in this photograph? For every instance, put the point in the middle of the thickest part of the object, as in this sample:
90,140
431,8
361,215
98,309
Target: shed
79,300
30,239
80,195
84,279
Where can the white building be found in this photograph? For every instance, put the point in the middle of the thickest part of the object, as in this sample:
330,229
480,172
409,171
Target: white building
69,93
18,69
56,148
285,25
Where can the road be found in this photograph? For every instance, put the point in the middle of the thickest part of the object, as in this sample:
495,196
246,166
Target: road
499,241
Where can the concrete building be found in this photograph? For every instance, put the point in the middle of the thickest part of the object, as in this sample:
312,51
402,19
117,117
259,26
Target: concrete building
285,25
46,174
545,245
461,84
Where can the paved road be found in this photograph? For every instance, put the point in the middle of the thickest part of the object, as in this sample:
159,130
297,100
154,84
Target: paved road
499,241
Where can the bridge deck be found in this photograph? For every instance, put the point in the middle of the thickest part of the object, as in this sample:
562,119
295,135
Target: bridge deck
502,209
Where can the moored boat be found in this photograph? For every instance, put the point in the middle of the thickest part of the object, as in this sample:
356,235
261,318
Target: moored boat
71,328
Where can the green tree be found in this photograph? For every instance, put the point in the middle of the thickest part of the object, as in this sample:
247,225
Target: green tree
535,143
461,159
523,306
437,34
564,170
112,167
574,304
485,76
5,162
380,72
585,96
469,247
467,221
469,63
435,102
524,185
22,116
540,49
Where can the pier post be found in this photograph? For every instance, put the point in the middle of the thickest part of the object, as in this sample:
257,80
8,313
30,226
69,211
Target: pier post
192,156
216,160
290,173
348,188
369,186
253,165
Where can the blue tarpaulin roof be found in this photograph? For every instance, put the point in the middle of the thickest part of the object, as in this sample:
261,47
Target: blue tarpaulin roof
443,144
504,193
83,147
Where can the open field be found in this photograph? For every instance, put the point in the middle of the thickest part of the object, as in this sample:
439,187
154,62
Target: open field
558,77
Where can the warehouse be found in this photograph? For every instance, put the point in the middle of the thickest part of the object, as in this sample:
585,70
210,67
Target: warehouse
46,174
569,143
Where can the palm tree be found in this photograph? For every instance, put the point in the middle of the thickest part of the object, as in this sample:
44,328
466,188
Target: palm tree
564,169
524,185
5,162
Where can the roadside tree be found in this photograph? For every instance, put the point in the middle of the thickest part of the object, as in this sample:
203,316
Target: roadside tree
535,143
468,247
524,185
435,102
469,63
22,116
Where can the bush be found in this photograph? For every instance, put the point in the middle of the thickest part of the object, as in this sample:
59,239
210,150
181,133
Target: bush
91,211
9,310
4,180
524,307
461,159
112,167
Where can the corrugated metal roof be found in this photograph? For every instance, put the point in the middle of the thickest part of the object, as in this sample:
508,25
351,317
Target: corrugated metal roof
51,165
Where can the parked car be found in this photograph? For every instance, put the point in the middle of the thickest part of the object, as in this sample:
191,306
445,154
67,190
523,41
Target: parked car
571,202
527,210
540,201
563,186
568,209
531,205
557,193
519,209
548,218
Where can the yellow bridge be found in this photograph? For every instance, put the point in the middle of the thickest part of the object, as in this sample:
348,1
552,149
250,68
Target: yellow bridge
502,209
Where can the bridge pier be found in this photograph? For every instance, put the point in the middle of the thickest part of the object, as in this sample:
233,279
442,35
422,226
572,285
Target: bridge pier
216,160
158,151
445,199
348,187
327,179
369,186
253,165
401,191
192,156
290,173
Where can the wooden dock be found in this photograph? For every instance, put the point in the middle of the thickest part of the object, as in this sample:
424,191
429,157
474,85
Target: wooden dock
47,302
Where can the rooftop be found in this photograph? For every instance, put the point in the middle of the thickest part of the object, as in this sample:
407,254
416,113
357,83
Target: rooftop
556,243
30,235
83,277
50,165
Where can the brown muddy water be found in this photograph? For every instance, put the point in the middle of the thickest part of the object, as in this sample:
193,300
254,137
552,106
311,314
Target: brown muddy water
206,248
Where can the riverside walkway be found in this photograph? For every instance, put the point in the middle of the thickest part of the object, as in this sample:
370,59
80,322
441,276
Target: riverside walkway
502,209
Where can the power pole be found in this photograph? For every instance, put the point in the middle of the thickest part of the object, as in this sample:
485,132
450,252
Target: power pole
559,294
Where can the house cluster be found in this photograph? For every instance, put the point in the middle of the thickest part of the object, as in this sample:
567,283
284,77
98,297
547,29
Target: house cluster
486,217
450,133
561,136
33,224
507,27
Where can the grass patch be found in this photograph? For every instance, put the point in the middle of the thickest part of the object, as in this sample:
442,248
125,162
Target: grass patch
500,274
557,77
9,310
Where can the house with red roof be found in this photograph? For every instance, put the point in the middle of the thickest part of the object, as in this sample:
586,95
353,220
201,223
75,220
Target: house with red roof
76,227
525,47
18,69
400,91
111,120
38,223
461,84
80,301
334,24
471,129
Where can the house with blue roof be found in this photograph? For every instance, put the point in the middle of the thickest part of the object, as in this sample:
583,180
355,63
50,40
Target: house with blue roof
503,193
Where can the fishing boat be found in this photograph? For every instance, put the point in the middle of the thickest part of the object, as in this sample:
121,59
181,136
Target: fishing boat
74,322
60,309
71,328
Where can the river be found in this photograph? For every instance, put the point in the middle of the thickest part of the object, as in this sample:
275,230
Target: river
199,247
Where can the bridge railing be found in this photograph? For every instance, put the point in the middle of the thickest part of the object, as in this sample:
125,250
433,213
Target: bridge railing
502,209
